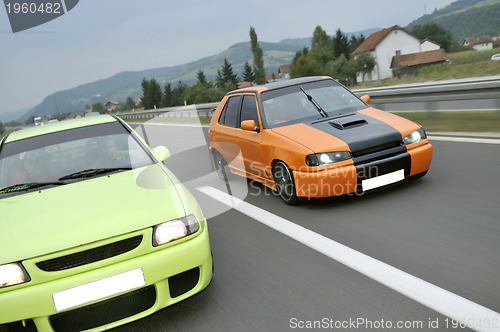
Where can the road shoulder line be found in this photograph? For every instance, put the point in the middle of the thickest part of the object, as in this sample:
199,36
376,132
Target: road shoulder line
464,139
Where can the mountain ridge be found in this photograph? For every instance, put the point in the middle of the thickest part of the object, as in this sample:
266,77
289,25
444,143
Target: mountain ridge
128,83
466,18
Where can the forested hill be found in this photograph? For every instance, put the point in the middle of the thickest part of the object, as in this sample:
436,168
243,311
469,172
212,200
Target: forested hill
128,84
466,18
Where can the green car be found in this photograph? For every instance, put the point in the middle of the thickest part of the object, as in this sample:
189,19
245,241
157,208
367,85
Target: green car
95,231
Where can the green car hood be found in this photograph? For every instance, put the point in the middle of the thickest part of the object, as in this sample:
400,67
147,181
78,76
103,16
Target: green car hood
58,218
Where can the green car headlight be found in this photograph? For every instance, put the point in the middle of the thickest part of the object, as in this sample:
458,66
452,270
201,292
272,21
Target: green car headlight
324,158
415,137
12,274
174,229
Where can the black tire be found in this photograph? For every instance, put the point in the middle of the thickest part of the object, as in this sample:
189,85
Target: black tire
220,166
285,184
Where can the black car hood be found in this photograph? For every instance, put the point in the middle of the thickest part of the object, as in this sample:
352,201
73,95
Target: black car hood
362,133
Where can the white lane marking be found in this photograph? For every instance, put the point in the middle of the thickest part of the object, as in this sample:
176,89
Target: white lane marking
449,304
465,139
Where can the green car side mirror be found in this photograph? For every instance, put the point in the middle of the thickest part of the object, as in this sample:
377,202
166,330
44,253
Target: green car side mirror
162,153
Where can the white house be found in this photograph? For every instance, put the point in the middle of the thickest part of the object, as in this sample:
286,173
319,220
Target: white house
284,72
383,46
112,105
479,43
428,45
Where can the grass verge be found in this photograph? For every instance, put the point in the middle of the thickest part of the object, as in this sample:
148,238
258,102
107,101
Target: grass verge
467,121
464,64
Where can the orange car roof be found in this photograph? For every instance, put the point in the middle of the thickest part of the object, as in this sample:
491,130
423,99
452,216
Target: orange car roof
279,84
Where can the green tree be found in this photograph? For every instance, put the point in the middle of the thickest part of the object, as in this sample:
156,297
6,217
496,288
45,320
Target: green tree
304,51
355,41
320,38
151,94
248,75
2,128
364,63
129,104
203,93
167,95
146,93
258,58
341,45
343,70
99,107
226,75
201,78
305,65
197,94
435,33
178,97
321,46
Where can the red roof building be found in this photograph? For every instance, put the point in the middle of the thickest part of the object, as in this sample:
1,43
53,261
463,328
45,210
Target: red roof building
407,64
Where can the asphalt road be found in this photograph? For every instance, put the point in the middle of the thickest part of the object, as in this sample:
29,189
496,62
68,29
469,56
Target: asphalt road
443,229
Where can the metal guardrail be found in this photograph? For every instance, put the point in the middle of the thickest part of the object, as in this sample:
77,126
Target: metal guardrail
467,94
198,110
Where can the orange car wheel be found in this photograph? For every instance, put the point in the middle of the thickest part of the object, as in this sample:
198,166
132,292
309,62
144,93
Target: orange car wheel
285,184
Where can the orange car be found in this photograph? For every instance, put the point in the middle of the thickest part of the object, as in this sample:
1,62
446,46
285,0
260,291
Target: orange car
311,137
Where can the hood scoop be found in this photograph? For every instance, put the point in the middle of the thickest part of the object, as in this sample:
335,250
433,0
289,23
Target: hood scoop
348,122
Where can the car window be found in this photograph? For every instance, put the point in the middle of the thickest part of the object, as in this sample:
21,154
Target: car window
249,109
49,157
290,105
229,116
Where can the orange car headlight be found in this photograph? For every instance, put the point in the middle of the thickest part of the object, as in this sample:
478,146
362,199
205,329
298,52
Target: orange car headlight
325,158
415,137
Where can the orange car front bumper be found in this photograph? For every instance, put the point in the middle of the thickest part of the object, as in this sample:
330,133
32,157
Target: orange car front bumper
343,180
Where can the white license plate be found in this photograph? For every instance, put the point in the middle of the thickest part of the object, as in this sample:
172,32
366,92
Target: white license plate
383,180
98,289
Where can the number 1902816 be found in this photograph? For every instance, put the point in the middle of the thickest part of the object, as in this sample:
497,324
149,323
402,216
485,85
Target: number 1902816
33,8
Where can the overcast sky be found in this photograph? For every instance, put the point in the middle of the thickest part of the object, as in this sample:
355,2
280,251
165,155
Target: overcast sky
100,38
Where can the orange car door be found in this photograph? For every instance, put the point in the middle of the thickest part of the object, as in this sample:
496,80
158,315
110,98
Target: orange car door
249,141
224,136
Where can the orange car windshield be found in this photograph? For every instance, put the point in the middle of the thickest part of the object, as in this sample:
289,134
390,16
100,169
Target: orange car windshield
291,105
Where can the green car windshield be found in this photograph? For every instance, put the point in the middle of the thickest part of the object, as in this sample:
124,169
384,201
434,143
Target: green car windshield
76,154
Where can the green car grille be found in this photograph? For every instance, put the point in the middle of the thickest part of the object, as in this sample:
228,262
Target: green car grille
90,256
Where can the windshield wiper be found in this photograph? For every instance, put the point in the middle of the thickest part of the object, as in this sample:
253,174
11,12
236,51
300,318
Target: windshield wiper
87,173
28,186
321,111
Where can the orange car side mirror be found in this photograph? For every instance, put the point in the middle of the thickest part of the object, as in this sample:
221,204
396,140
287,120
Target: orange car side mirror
365,98
248,125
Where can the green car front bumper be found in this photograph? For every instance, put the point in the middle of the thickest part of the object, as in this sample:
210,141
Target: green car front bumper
163,276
